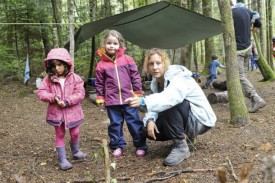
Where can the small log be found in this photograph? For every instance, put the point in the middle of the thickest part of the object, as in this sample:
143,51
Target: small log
214,98
220,85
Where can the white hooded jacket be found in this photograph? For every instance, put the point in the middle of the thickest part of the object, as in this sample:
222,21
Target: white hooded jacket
181,86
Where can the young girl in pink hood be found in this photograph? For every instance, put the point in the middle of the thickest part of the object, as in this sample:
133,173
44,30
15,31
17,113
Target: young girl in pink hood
116,76
63,90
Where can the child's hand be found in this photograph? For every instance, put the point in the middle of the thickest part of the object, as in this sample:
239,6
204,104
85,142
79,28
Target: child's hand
61,104
56,98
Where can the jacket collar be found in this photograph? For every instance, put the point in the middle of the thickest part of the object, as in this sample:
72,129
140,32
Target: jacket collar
102,54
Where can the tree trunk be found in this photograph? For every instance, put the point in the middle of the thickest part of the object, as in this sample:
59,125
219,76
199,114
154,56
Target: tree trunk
93,5
261,9
57,14
195,8
209,42
238,111
265,69
71,27
270,5
107,8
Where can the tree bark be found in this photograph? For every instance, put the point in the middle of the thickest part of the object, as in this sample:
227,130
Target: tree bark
238,111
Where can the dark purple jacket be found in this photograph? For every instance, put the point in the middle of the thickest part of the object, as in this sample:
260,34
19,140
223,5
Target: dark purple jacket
115,78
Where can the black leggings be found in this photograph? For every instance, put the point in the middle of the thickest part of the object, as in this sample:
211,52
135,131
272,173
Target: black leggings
177,121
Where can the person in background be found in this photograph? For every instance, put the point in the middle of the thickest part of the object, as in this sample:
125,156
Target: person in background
243,19
178,109
213,71
63,90
116,75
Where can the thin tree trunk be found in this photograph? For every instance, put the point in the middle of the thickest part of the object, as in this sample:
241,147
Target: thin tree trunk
238,111
93,5
270,5
71,27
265,69
209,42
57,14
261,10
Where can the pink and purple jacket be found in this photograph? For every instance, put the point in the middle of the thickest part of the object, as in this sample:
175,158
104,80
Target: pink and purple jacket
115,78
73,93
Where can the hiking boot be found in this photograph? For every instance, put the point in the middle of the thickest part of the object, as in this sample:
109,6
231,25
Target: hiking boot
179,152
117,153
140,153
257,103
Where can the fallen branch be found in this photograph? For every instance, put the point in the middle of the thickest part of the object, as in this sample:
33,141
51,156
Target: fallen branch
161,178
167,175
232,170
102,179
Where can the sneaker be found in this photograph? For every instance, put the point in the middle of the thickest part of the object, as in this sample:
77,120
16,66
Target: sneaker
179,152
257,104
140,153
117,153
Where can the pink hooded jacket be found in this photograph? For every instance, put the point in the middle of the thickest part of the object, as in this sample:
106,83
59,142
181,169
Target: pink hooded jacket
73,93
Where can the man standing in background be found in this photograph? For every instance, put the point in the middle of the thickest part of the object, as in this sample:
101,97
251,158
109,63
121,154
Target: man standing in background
242,18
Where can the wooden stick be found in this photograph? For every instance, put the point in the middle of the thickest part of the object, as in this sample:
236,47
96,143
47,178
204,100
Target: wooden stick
232,169
167,175
182,171
244,173
221,174
107,161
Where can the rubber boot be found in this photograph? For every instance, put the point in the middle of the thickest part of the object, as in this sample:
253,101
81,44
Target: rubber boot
77,154
64,164
257,103
180,151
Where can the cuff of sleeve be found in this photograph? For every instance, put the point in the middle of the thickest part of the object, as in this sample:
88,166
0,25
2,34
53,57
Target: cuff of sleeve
138,93
142,101
150,119
100,99
66,103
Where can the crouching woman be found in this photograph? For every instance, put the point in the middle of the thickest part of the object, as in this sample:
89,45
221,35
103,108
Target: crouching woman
178,108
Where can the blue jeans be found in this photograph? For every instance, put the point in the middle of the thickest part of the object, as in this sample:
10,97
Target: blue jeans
210,80
117,114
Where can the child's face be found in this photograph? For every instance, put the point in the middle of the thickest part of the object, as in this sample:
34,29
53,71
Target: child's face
59,67
111,45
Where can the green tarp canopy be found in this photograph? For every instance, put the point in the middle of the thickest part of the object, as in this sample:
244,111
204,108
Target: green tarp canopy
161,25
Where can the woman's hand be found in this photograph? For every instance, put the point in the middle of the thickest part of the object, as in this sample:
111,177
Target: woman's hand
151,128
133,101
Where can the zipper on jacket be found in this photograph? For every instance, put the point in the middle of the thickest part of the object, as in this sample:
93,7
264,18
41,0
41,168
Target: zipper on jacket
118,82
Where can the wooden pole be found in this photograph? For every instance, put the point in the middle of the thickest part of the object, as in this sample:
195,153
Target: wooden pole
107,162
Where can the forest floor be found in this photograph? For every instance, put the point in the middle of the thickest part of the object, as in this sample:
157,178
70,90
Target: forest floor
28,154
